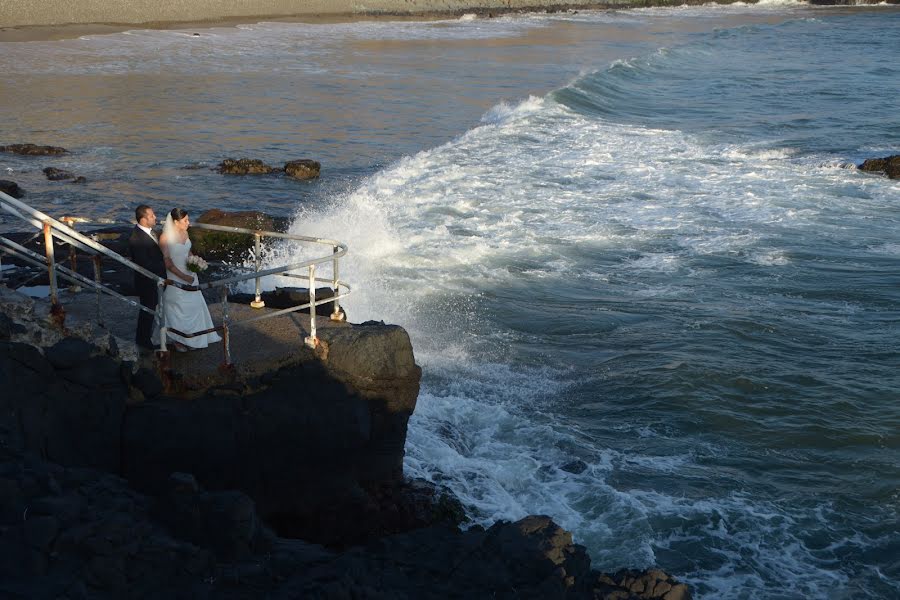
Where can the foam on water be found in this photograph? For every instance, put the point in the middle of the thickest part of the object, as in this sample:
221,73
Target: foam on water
532,195
653,304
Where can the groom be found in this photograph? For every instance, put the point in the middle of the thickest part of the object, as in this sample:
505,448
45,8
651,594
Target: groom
145,252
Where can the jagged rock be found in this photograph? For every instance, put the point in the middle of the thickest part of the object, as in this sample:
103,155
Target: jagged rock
54,408
11,188
302,169
377,511
15,304
224,522
244,166
889,165
316,442
33,150
629,584
9,328
68,353
54,174
225,246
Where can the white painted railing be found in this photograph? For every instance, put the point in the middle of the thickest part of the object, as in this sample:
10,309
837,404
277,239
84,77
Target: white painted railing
52,228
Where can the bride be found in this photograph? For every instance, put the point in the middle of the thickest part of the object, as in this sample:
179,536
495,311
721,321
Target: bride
185,311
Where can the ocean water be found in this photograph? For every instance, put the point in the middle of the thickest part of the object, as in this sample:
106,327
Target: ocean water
650,294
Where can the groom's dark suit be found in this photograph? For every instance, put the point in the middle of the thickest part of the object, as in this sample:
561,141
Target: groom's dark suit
146,253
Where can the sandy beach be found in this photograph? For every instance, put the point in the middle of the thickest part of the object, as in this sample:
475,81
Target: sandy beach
42,20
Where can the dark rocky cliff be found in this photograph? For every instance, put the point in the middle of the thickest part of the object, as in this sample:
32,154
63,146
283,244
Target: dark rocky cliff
110,488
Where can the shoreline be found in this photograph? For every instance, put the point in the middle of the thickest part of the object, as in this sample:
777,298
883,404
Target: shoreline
48,20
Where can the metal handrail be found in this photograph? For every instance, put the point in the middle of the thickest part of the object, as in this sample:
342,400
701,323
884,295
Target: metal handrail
57,228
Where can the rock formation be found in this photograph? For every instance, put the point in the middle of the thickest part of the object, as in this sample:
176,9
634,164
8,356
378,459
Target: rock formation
33,150
11,188
110,486
302,169
54,174
889,165
244,166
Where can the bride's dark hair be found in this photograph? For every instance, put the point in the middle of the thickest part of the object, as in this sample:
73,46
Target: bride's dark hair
178,214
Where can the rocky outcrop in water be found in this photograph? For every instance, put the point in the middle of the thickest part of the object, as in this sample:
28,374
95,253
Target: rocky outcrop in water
11,188
302,169
244,166
54,174
33,150
227,246
889,165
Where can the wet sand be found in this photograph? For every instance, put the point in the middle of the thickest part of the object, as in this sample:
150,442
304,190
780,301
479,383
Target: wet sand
42,20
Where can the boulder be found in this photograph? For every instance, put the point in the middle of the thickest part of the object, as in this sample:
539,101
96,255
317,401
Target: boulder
302,169
889,165
226,246
33,150
224,522
54,174
244,166
11,188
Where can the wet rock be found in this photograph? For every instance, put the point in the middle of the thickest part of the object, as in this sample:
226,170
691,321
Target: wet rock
79,179
889,165
54,174
33,150
302,169
652,584
11,188
244,166
222,245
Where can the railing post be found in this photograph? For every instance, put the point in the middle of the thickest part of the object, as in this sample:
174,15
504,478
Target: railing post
336,314
96,261
73,259
226,341
56,311
312,341
161,316
258,303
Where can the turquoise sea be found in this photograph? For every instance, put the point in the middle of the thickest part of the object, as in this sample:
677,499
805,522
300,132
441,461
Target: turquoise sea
650,293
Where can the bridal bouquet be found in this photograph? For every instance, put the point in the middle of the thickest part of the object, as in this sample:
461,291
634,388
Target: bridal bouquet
195,264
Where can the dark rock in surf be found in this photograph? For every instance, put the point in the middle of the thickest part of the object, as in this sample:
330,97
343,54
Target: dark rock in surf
33,150
244,166
302,169
889,165
54,174
628,584
11,188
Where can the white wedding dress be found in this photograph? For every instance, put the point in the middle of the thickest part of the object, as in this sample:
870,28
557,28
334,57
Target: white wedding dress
186,311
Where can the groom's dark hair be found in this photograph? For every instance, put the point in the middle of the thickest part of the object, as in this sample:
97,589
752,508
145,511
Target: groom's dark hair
140,211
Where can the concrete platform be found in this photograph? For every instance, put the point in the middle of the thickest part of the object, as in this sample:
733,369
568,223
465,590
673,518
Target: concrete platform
256,348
